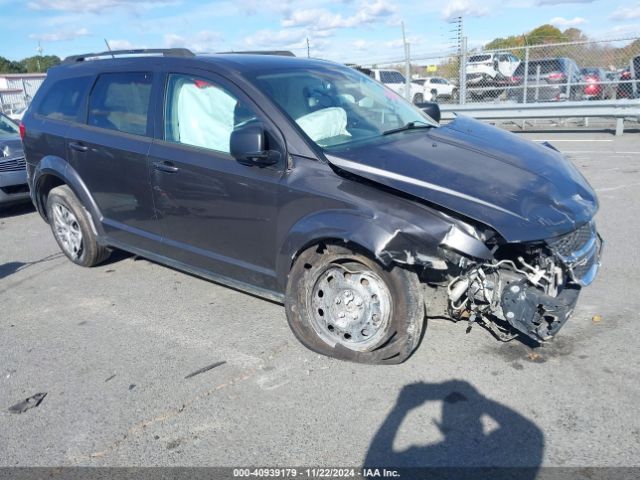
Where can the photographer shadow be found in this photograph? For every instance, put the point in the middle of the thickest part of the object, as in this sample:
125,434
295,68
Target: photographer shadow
511,448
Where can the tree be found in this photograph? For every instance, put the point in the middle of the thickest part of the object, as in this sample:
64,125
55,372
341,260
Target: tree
39,64
8,66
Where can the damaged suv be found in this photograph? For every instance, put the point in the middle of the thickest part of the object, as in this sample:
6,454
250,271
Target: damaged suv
308,183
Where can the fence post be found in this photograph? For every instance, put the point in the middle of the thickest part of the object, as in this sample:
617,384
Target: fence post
568,93
462,90
537,82
526,74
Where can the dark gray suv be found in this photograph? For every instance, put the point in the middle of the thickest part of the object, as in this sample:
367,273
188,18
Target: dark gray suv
306,182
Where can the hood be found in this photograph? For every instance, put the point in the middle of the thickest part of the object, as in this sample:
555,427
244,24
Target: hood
523,190
12,146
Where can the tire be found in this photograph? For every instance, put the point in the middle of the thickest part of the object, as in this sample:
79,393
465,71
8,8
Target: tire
454,95
434,95
418,98
71,228
385,311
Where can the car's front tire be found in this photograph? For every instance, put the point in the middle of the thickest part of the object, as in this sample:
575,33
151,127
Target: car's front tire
343,304
70,224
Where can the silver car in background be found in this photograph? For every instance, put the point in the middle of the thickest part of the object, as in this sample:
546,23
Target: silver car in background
13,173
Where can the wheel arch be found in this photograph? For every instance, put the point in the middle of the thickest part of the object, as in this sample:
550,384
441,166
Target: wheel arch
53,172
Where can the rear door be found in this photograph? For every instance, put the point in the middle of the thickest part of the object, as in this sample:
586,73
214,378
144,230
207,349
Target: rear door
215,214
109,151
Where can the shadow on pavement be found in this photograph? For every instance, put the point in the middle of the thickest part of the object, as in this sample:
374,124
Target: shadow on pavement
511,448
16,209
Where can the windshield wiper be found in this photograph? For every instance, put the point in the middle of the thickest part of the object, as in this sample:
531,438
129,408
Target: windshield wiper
409,126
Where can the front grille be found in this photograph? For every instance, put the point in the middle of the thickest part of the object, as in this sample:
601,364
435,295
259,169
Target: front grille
579,251
13,189
566,245
13,165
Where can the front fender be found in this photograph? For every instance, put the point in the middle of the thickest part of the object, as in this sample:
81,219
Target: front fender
390,239
61,170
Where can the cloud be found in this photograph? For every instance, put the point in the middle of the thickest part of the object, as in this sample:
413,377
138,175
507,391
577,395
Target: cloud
203,41
463,8
61,35
560,2
567,22
323,19
93,6
120,44
265,39
626,13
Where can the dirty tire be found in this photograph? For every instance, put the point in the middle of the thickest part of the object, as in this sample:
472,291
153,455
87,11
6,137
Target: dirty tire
393,343
89,252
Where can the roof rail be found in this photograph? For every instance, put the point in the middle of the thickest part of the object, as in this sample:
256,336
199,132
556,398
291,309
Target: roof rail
283,53
166,52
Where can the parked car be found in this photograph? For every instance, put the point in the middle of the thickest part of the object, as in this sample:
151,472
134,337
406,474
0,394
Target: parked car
13,173
488,74
596,83
308,183
435,87
549,80
397,82
628,83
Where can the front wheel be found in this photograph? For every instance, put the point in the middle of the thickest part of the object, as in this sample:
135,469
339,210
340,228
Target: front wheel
343,304
418,98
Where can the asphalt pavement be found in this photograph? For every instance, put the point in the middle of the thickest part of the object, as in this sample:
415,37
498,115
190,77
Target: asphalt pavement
111,347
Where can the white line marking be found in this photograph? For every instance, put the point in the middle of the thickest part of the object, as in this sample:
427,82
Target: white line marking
568,140
609,189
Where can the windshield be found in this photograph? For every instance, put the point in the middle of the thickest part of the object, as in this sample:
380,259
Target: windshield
338,106
7,127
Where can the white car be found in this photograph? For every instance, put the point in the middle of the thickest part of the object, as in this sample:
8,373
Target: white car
397,82
435,87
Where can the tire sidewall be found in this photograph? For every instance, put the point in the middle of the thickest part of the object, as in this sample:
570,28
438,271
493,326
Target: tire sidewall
64,196
403,330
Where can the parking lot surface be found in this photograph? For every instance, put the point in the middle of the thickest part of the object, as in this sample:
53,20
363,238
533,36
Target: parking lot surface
111,346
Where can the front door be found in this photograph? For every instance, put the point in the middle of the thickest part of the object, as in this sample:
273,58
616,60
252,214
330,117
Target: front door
214,213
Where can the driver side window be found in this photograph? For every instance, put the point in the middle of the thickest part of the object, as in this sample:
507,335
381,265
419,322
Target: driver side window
202,114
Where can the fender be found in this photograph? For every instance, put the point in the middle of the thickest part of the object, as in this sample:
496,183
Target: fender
390,239
60,168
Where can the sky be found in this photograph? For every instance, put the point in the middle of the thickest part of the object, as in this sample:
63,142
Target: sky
341,30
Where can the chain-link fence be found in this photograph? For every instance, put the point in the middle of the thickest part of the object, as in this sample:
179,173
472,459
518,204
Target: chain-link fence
551,72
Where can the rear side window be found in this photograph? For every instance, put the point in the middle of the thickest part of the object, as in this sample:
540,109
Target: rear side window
64,98
120,101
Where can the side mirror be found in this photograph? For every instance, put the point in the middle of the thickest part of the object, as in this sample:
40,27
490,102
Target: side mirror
248,146
430,108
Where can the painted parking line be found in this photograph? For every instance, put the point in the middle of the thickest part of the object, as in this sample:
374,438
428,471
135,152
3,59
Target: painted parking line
567,140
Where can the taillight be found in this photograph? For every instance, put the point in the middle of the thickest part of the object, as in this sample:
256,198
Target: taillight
556,76
516,79
23,130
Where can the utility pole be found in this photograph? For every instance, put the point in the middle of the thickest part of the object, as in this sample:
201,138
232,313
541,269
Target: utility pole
407,66
39,50
308,49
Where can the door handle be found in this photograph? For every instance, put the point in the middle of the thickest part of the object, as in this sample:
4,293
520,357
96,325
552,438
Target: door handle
167,167
78,146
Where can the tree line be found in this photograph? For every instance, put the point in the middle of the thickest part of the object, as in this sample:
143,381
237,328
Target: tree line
35,64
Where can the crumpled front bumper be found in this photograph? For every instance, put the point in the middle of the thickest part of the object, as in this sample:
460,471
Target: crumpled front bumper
536,314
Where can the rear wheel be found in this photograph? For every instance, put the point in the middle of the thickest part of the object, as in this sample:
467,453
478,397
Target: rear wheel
71,228
418,98
343,304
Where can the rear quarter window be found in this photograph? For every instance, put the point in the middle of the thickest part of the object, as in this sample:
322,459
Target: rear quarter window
63,100
120,101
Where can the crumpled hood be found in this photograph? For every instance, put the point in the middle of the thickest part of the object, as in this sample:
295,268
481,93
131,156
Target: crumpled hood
523,190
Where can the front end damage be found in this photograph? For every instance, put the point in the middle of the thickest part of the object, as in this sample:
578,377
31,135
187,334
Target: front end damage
511,288
531,287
